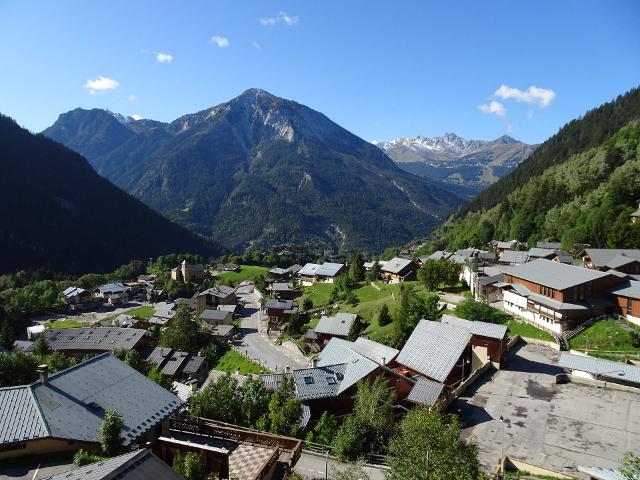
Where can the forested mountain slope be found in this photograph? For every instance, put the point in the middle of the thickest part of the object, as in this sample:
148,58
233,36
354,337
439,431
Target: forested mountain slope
59,214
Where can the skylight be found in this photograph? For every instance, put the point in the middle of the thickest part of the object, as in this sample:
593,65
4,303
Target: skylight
308,380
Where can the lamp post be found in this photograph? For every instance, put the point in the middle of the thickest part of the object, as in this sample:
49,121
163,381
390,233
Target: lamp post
502,447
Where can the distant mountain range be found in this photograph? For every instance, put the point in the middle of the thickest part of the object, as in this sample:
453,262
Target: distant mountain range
260,170
59,214
469,166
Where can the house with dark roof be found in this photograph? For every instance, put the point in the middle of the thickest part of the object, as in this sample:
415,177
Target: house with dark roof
555,296
112,293
214,296
279,311
326,273
604,259
78,298
499,246
549,245
283,291
94,341
63,412
488,340
137,465
216,317
338,325
513,257
179,366
398,270
562,257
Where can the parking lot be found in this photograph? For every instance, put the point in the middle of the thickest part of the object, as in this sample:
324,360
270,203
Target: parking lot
556,426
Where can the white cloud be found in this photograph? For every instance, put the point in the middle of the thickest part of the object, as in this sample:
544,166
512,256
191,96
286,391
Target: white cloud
257,45
132,98
101,85
543,97
282,17
164,57
136,117
222,42
493,107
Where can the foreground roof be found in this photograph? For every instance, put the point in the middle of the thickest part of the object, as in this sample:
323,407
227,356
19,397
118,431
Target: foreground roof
434,348
602,473
137,465
600,367
339,325
94,339
72,404
630,289
601,256
425,392
555,275
481,329
319,382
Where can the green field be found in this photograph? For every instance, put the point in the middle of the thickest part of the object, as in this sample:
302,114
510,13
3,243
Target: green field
144,312
246,272
231,360
66,324
605,336
527,330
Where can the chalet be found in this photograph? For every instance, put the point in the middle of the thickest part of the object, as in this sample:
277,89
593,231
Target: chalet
179,366
513,257
499,246
112,293
604,259
79,342
214,296
294,269
216,317
233,309
163,314
279,311
326,273
562,257
135,465
338,326
78,298
627,298
398,270
549,245
62,412
279,273
330,385
556,296
283,291
536,252
488,340
187,272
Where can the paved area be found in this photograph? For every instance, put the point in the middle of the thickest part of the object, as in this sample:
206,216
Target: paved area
36,472
246,461
312,466
256,345
557,426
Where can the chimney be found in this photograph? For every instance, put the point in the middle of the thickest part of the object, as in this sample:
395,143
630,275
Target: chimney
194,385
314,362
287,369
43,371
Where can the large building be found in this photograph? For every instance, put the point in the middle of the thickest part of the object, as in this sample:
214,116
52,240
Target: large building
326,273
94,341
63,412
187,272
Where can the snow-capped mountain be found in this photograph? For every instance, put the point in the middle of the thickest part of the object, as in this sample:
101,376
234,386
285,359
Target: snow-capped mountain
470,164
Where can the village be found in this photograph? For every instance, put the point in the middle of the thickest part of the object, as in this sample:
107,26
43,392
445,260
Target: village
528,393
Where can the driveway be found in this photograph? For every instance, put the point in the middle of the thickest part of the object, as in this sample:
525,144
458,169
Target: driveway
256,345
557,426
312,466
35,472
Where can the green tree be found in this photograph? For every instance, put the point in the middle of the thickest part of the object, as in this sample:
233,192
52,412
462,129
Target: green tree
631,467
157,376
190,466
220,400
430,274
427,446
284,411
7,335
255,401
481,311
132,358
356,267
183,334
323,431
384,317
374,272
354,471
41,346
307,304
110,430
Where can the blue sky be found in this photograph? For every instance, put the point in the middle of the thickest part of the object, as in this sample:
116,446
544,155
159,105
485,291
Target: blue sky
380,69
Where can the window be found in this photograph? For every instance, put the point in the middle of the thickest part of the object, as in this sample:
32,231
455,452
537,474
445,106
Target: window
331,380
308,380
629,306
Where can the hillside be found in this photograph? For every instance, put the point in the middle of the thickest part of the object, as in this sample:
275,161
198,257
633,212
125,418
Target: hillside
586,199
260,170
468,166
58,214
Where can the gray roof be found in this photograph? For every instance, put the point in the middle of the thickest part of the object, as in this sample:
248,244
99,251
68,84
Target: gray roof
111,288
72,404
165,310
540,252
220,291
555,275
602,473
295,268
564,257
438,255
279,304
600,367
282,287
425,392
338,325
513,256
396,265
172,361
105,339
481,329
306,415
630,289
136,465
311,335
327,269
318,382
505,245
546,301
601,256
72,292
227,308
279,271
434,348
210,315
221,330
489,280
373,350
620,261
549,245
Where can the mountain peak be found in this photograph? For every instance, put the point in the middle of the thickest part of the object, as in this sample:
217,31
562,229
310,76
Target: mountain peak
256,92
505,140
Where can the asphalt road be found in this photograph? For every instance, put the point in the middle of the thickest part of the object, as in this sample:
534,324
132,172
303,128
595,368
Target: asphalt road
313,466
257,346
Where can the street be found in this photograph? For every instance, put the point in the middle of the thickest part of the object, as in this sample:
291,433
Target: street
313,466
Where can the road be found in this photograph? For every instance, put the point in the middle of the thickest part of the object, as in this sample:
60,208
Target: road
313,466
256,345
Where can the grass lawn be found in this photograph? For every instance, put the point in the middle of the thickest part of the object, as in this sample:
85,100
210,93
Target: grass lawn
604,336
318,293
231,360
144,312
65,324
528,331
246,272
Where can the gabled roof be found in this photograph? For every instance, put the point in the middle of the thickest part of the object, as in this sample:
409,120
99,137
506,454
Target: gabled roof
630,289
600,367
211,315
295,268
327,269
319,382
601,256
555,275
564,257
536,252
338,325
425,392
279,304
374,351
220,291
513,256
105,339
282,287
112,288
549,245
481,329
396,265
602,473
438,255
72,404
72,291
621,261
136,465
434,348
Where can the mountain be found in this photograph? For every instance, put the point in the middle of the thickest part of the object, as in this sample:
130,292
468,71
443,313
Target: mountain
578,187
469,166
59,214
260,170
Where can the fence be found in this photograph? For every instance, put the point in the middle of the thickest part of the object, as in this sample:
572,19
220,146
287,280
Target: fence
372,459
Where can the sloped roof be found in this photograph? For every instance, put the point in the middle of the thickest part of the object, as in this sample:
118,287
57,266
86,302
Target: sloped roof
601,256
279,304
327,269
318,382
282,287
630,289
105,339
279,271
220,291
112,288
373,350
73,402
136,465
211,315
338,325
72,291
434,348
438,255
425,392
620,261
564,257
536,252
555,275
513,256
549,245
600,367
602,473
396,265
482,329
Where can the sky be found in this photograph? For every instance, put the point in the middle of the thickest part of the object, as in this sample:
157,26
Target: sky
381,69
